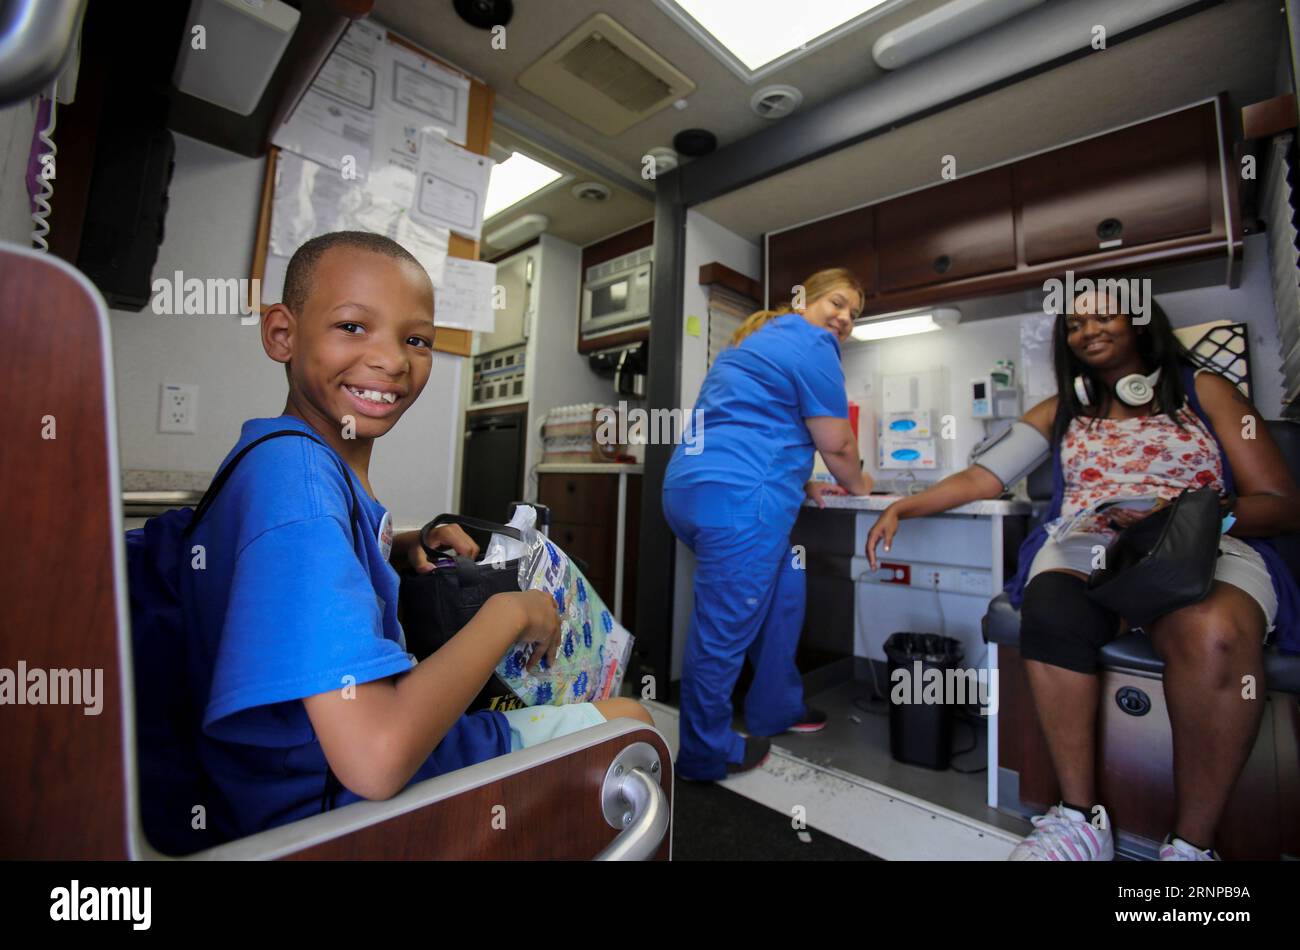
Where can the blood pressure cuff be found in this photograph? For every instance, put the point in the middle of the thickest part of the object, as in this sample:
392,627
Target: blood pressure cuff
1013,454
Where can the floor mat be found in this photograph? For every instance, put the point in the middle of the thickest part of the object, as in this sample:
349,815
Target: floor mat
711,823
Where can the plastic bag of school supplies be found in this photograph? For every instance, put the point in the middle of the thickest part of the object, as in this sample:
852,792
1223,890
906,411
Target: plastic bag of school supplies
594,649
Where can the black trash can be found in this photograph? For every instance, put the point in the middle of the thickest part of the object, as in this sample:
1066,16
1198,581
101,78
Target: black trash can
920,732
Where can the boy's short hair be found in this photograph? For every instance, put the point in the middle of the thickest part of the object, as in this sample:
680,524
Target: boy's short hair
297,279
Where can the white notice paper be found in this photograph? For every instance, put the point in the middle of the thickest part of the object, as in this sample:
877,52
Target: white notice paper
427,94
368,106
451,187
335,119
311,200
464,298
397,152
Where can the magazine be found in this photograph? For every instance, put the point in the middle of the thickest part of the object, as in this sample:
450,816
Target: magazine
1145,503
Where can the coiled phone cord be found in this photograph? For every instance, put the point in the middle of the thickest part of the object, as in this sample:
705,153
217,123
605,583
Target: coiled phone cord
46,176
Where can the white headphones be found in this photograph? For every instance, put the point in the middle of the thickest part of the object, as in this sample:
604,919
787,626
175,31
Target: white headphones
1132,390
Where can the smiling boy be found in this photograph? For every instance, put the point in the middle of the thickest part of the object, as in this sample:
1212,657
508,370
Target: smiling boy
306,695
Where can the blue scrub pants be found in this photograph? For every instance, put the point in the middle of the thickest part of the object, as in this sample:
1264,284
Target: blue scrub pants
749,601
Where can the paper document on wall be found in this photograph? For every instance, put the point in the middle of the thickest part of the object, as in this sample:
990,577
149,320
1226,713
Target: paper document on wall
428,94
369,102
464,298
393,165
451,187
311,200
335,119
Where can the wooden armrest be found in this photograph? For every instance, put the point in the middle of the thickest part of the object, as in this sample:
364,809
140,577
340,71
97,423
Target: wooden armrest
542,803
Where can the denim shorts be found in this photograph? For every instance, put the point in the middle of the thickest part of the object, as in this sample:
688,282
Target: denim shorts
1238,564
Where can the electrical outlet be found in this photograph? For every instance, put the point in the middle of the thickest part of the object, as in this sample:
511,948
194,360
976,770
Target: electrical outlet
891,573
929,577
179,408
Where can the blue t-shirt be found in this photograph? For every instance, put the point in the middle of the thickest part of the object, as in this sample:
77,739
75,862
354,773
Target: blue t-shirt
754,402
288,606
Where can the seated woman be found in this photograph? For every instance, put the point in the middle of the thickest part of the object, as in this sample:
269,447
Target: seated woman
1133,417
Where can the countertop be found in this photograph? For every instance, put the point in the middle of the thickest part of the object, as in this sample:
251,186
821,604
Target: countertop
994,506
136,479
589,468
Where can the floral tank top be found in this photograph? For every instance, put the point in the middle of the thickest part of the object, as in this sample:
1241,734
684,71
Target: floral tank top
1125,458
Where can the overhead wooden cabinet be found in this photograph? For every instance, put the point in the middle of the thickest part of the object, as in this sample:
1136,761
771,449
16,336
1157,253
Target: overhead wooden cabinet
1160,192
845,240
1141,185
961,228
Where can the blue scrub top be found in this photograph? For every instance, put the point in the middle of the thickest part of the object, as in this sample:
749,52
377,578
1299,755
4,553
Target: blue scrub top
288,606
754,402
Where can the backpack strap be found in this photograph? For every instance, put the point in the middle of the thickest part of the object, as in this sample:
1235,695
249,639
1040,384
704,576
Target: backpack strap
223,476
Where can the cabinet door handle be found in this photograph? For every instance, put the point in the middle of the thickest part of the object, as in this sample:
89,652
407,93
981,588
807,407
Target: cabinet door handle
942,263
1110,229
570,487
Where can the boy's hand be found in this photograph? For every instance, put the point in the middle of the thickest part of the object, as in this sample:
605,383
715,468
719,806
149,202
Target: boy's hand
452,536
407,551
541,624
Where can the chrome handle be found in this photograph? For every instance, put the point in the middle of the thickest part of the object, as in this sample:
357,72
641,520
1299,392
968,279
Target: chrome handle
632,799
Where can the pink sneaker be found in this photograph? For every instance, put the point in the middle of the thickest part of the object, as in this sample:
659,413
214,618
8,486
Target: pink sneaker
814,720
1064,834
1176,849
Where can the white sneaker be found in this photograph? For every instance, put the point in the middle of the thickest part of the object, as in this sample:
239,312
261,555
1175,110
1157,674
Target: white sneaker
1176,849
1064,834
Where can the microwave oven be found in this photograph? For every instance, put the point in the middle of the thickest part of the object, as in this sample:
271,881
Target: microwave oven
616,294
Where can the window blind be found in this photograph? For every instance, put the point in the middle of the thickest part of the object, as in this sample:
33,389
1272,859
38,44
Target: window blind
1278,206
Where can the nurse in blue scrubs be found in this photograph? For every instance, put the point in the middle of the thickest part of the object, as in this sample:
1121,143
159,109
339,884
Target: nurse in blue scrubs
731,494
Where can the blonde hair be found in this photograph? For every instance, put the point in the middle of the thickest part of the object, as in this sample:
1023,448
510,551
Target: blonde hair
814,288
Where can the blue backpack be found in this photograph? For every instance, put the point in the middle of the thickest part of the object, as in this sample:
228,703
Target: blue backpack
173,782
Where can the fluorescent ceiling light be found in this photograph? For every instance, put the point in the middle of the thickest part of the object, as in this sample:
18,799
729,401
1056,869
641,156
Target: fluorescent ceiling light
514,180
942,27
883,328
757,32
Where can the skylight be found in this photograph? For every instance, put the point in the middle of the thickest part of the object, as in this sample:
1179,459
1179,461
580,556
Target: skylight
755,33
514,180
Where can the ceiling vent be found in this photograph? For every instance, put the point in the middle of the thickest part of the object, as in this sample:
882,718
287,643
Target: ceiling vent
605,77
591,191
665,159
775,102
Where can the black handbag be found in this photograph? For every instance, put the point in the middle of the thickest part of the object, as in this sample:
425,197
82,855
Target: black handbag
433,607
1163,561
